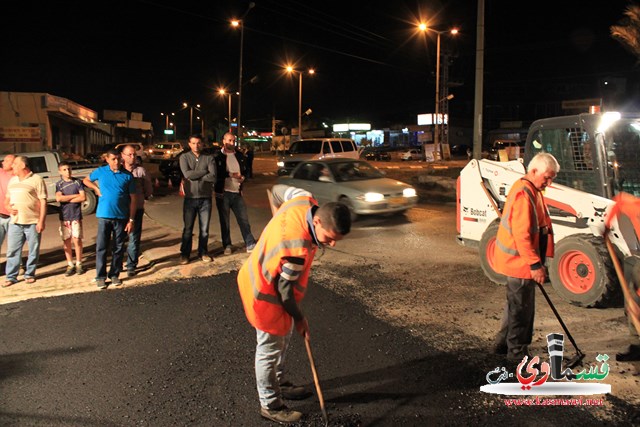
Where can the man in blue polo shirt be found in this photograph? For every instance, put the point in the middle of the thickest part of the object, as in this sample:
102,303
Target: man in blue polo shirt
116,212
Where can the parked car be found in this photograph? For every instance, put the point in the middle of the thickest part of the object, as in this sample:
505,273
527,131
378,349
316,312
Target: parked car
413,154
357,183
510,149
317,148
373,154
142,155
45,164
165,150
170,169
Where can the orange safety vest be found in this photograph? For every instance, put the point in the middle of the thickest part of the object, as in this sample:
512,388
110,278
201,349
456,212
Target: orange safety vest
526,214
286,235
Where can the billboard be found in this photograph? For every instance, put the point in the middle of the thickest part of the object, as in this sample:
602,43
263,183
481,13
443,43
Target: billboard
114,116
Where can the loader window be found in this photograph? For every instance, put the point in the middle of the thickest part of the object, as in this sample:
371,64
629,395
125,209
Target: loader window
624,156
572,148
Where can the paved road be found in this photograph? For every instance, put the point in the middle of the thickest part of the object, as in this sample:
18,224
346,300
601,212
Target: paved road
181,353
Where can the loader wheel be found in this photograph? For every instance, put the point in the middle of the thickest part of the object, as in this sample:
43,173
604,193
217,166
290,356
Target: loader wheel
582,272
486,248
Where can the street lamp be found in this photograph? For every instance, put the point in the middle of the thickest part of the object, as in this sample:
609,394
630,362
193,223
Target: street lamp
166,125
223,92
436,131
175,131
240,23
290,69
191,107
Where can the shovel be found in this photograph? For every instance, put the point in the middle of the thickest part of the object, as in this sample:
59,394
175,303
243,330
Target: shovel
316,381
575,360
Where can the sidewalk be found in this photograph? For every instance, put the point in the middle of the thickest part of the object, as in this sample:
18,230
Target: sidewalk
159,263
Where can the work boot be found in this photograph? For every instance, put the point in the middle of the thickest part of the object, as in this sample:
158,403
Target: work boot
281,415
290,391
632,354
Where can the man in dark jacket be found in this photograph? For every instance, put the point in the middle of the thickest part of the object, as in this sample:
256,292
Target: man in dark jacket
231,173
199,173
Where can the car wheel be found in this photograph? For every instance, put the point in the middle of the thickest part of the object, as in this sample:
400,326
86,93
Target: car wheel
347,202
91,202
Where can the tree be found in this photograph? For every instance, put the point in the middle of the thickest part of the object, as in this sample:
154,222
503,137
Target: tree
627,32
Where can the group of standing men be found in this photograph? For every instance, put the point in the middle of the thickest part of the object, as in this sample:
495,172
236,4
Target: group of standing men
206,176
122,186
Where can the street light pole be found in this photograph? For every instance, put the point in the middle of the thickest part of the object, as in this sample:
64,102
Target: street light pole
300,105
290,69
436,120
229,117
235,23
436,136
224,92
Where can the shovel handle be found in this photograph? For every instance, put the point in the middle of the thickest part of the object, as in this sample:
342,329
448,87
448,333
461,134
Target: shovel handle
315,380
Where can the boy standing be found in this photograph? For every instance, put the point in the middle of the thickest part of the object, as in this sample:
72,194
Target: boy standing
70,195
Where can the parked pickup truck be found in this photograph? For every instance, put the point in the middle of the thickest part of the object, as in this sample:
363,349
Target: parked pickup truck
45,164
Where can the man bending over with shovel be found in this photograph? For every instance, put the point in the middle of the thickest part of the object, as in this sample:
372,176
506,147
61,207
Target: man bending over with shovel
273,281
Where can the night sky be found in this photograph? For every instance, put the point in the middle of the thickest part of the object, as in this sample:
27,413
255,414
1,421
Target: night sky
149,56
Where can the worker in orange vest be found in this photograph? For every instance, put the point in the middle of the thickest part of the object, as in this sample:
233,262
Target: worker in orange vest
273,281
523,242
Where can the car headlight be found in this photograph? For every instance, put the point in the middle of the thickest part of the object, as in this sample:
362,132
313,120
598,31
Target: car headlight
372,197
409,192
280,164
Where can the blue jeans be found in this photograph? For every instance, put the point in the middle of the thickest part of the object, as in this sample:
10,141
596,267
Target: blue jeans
233,202
108,228
4,228
16,236
270,356
191,208
133,249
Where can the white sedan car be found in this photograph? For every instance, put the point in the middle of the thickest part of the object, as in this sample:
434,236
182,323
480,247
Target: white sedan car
357,183
413,154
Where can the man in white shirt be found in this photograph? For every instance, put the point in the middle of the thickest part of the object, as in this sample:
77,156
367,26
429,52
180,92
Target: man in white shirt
230,175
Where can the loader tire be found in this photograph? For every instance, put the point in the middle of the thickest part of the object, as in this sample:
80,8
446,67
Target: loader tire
487,244
582,272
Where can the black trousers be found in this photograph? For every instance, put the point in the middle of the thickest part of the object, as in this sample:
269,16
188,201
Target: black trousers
516,330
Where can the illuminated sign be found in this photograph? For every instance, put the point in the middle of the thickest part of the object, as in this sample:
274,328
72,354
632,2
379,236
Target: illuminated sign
427,119
168,131
346,127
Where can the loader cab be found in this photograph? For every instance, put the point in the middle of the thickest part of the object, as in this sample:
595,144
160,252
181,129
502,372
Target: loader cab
597,153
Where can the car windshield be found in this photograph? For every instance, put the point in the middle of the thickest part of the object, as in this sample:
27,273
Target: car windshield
306,147
163,146
354,171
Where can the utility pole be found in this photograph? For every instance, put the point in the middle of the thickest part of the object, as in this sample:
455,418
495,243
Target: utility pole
477,114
